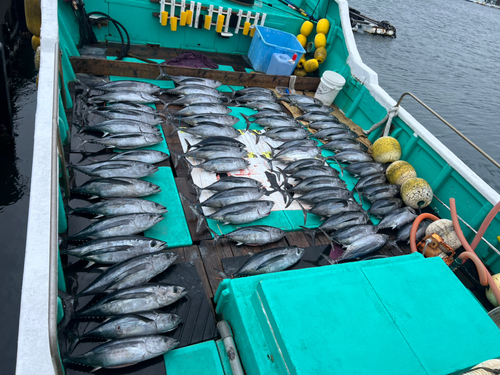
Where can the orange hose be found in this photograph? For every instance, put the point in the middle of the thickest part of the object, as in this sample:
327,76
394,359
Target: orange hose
468,248
414,229
481,270
486,223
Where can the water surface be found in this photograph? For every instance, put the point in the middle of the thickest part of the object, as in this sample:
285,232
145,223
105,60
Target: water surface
446,53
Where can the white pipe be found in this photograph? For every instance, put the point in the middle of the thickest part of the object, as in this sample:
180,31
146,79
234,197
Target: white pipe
232,353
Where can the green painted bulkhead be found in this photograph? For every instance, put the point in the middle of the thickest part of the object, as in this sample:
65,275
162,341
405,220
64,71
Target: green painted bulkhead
355,100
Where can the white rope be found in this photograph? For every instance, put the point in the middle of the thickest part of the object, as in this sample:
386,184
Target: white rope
391,112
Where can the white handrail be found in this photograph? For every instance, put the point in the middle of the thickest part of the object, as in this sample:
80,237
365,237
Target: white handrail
36,353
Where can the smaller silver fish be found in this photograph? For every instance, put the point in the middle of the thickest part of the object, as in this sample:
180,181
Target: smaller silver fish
117,168
122,206
127,141
398,218
145,156
254,235
124,85
272,260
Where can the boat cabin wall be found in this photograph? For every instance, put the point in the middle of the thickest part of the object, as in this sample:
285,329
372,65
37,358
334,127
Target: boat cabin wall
141,21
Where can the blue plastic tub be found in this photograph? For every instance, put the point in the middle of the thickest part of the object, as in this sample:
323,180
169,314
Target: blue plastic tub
267,41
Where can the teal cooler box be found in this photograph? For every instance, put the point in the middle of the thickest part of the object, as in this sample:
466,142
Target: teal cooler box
267,41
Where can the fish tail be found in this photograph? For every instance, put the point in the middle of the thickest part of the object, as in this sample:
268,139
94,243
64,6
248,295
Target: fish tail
310,232
257,137
272,148
216,236
393,243
304,211
248,122
176,158
329,238
83,141
197,191
189,145
359,196
269,161
68,302
233,92
196,211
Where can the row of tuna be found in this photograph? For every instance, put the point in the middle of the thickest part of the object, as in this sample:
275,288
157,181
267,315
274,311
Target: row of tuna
135,324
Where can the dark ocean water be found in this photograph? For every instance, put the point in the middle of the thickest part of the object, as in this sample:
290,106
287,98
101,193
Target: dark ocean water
446,53
15,159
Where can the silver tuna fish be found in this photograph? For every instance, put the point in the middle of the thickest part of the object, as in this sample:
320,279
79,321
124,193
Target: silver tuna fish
117,168
145,156
272,260
124,352
118,187
254,235
122,206
117,226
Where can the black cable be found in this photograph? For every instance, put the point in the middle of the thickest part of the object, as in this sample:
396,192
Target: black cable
124,48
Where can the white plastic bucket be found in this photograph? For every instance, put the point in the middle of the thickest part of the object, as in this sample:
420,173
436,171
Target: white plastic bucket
330,85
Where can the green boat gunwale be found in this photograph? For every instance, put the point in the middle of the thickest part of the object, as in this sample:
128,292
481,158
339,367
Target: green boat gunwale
365,104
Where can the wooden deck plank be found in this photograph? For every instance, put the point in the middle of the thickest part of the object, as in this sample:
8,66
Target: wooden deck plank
150,71
298,239
212,257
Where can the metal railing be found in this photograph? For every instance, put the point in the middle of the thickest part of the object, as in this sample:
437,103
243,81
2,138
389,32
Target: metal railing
54,222
450,126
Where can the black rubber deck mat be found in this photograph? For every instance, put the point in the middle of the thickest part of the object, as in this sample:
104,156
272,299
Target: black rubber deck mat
312,258
198,323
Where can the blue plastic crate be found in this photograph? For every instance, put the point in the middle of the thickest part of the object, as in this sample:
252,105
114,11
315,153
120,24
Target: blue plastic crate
267,41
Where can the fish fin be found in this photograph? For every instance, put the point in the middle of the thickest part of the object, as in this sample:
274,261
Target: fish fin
310,232
216,236
271,177
271,261
239,243
189,145
82,143
104,134
247,120
226,223
95,369
233,92
98,217
411,210
196,211
328,259
89,264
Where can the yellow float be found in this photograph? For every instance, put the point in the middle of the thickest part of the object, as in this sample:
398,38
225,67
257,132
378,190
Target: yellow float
320,54
416,193
311,65
302,40
400,171
320,40
386,150
323,26
306,28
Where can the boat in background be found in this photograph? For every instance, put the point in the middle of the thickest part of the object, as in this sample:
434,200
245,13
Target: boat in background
361,100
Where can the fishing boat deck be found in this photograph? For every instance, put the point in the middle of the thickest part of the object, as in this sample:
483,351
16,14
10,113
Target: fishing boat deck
205,254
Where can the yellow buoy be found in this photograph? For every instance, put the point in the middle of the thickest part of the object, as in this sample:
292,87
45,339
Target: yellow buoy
189,17
246,28
320,40
489,293
386,150
220,23
173,23
416,193
35,42
299,73
320,54
33,15
400,171
323,26
306,28
183,20
252,32
208,21
164,18
302,40
301,62
311,65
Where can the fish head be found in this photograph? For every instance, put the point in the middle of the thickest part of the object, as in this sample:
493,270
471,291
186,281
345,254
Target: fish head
154,187
153,137
157,344
299,251
151,168
262,190
268,205
157,244
167,320
158,207
155,218
161,260
165,293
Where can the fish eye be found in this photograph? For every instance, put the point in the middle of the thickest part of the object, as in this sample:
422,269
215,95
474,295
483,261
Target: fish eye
153,243
176,290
